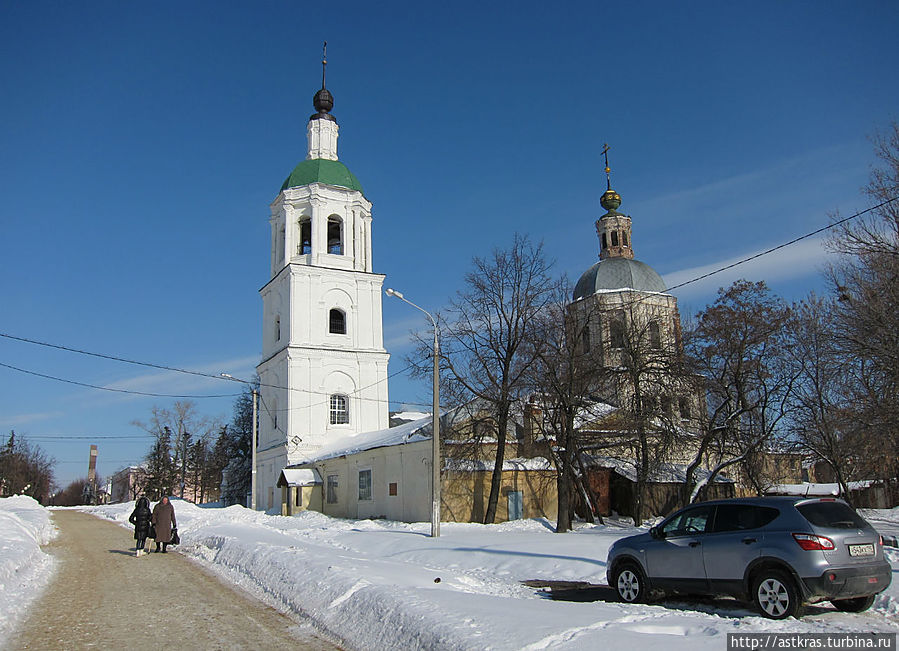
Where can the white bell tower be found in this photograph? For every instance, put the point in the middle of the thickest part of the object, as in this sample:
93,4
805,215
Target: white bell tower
324,367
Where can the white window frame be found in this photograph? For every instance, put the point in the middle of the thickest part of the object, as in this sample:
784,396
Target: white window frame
338,415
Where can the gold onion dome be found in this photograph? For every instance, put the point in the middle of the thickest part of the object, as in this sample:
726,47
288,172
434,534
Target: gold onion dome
610,200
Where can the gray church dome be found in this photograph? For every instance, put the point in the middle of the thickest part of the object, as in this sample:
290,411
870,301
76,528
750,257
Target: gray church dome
618,273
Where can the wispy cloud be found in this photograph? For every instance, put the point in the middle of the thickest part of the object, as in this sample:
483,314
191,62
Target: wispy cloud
798,260
18,420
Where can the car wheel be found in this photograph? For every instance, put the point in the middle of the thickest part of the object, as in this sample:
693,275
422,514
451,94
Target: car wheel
629,583
856,605
775,595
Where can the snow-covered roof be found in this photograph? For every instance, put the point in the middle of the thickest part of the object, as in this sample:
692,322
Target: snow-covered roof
299,477
417,430
471,465
810,489
669,473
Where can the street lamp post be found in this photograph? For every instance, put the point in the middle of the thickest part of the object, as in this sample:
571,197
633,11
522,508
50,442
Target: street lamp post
253,442
435,442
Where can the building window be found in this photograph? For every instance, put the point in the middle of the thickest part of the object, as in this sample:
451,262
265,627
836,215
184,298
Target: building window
605,243
655,336
332,489
305,244
337,322
624,238
340,409
335,235
277,328
614,238
616,329
392,489
274,414
684,408
298,499
585,339
365,485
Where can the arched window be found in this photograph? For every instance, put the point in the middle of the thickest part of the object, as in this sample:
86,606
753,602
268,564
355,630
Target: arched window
278,328
614,238
655,336
274,414
624,238
335,235
337,322
339,409
616,330
305,244
605,243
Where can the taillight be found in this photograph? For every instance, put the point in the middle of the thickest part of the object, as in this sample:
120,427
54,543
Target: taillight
880,540
810,542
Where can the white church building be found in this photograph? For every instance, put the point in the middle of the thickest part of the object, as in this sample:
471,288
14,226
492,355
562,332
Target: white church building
323,373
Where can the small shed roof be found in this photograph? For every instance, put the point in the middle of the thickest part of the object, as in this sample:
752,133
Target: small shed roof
299,477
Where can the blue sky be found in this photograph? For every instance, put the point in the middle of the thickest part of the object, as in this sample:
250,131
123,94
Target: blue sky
140,147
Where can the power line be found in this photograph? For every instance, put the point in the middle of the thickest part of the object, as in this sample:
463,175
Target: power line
94,386
219,377
785,244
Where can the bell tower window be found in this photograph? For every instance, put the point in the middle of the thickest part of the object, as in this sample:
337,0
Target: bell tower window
305,244
339,409
614,238
335,235
337,322
605,243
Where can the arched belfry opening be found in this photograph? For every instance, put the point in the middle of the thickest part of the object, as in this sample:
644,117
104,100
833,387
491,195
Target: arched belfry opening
335,235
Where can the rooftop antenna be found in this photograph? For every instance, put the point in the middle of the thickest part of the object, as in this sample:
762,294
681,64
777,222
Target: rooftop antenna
605,153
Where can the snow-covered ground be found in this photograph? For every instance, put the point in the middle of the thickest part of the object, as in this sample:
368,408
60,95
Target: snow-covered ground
24,569
381,584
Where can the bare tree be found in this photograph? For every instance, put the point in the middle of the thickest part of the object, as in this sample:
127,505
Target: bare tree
738,346
486,340
819,418
866,316
565,379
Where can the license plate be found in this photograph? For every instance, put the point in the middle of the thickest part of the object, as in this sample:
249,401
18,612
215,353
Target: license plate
861,550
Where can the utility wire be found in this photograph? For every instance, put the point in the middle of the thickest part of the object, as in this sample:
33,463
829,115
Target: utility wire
785,244
94,386
218,377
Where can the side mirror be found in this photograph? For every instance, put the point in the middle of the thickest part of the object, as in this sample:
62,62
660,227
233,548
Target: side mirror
657,533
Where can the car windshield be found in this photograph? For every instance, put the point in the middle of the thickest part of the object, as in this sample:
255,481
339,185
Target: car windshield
832,514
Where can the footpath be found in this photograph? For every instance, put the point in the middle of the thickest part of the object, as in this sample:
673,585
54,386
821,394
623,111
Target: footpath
103,597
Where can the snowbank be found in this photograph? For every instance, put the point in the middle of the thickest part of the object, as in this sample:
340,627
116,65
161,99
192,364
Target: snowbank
388,585
24,569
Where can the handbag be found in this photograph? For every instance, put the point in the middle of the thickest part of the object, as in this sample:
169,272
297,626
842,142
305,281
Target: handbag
176,539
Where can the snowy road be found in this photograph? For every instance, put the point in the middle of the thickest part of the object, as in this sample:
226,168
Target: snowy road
103,597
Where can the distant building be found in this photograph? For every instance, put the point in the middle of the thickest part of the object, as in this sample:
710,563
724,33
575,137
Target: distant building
127,484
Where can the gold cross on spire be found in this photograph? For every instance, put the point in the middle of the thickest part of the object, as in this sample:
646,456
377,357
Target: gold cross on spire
605,153
324,61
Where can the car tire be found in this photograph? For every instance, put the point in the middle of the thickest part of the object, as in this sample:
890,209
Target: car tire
774,594
855,605
629,583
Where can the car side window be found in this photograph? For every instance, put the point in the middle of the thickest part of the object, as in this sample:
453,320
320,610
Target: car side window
688,523
739,517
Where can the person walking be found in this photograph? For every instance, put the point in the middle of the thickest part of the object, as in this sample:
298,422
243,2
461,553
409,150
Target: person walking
140,518
164,521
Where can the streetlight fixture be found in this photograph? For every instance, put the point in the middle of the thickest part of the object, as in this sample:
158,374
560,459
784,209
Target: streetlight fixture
435,442
253,445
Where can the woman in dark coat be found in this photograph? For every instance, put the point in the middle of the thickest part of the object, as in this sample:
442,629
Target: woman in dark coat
164,521
140,518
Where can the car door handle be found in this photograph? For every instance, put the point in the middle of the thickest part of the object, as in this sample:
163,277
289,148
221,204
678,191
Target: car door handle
695,543
749,541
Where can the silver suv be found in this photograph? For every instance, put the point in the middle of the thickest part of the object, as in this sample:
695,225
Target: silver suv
779,552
